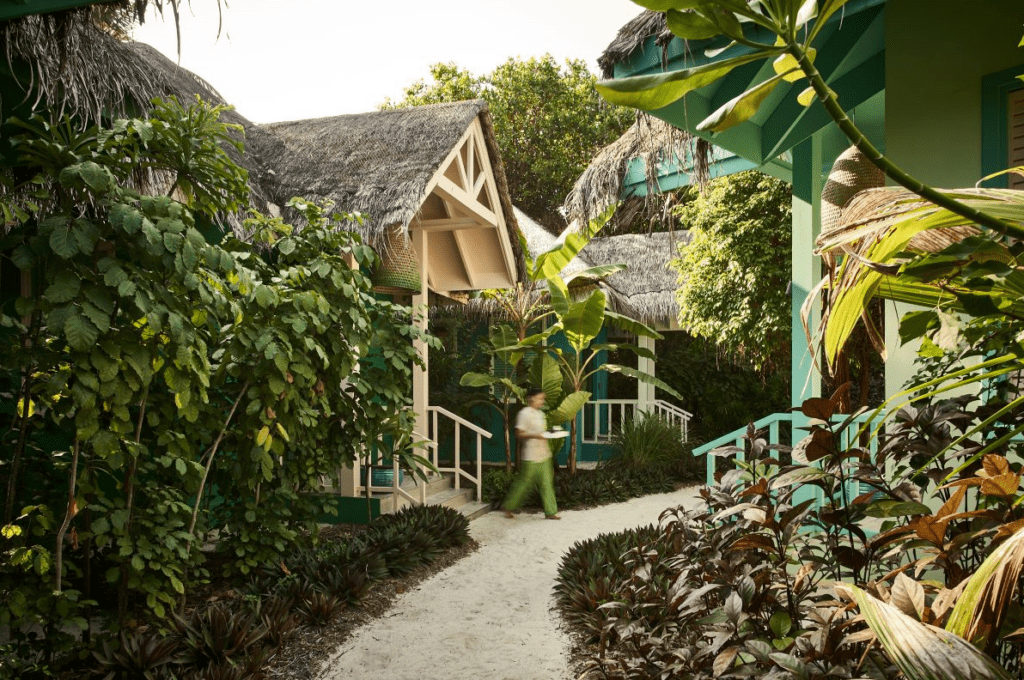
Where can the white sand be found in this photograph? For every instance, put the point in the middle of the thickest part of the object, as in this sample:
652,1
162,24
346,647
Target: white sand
490,616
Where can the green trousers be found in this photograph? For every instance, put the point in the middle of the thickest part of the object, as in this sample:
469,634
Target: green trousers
540,475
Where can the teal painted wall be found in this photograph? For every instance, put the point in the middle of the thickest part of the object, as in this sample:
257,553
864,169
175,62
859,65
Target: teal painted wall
935,63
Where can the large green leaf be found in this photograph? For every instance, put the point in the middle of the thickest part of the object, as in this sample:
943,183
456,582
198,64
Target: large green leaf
583,321
652,92
545,374
553,261
691,25
486,380
630,325
80,332
624,346
64,288
597,273
921,651
742,107
642,377
559,295
567,409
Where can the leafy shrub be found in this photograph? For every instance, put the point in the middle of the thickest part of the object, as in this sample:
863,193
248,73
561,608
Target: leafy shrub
140,655
218,634
651,441
741,588
589,488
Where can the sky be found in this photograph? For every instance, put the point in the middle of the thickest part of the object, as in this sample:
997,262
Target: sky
281,60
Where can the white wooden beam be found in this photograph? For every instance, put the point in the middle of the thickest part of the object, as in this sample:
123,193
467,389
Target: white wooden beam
450,224
448,189
471,159
463,248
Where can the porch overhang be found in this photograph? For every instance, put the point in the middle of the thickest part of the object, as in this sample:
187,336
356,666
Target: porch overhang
464,225
851,58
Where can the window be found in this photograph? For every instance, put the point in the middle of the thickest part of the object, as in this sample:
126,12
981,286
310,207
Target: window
1002,119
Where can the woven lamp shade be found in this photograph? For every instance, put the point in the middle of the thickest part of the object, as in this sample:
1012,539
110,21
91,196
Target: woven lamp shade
399,270
851,173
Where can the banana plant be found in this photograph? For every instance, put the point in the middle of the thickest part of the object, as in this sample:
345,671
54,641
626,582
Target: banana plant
580,323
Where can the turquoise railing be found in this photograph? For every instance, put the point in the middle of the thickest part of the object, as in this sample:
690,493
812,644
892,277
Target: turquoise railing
736,438
771,422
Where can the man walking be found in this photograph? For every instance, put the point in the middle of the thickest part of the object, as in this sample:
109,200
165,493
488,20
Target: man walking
535,465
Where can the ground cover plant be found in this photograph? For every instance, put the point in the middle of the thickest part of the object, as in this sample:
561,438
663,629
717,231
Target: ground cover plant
161,388
236,637
818,561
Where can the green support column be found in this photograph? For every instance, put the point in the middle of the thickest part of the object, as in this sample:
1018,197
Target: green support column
807,186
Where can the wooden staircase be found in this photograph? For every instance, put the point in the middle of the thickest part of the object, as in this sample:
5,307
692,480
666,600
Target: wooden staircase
440,491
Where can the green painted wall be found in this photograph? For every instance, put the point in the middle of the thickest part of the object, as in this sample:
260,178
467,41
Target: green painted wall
935,62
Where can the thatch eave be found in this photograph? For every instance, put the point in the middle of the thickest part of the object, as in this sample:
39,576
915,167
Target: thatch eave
633,36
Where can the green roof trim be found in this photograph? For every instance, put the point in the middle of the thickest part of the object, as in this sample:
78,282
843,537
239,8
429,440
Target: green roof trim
851,51
15,9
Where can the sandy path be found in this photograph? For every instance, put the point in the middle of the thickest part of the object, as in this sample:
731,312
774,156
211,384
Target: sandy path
489,616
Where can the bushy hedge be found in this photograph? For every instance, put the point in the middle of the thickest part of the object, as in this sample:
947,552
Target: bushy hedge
589,488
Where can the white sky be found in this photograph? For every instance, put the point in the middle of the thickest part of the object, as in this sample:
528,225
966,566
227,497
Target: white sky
291,59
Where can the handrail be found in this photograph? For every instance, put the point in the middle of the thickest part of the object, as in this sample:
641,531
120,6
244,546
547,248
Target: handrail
396,488
445,412
592,413
739,433
456,469
672,408
772,423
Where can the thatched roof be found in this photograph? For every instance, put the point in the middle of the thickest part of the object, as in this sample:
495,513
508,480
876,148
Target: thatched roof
379,163
657,144
646,290
540,240
89,73
632,37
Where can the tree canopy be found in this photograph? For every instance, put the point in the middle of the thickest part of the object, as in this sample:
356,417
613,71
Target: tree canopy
735,270
548,119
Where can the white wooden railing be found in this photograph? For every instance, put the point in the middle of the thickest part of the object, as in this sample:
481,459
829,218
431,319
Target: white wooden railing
601,417
395,489
674,415
436,412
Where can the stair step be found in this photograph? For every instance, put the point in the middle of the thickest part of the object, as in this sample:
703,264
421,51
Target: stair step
452,498
473,509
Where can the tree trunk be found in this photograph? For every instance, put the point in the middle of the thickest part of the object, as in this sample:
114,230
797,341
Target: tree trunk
571,462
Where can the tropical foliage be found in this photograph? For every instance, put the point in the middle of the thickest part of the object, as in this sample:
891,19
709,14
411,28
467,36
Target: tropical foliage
548,120
733,274
768,579
963,272
546,308
158,385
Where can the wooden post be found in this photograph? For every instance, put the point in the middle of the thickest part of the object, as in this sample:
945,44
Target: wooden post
645,392
420,302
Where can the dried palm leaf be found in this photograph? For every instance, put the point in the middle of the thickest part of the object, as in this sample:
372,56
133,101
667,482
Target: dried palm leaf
921,651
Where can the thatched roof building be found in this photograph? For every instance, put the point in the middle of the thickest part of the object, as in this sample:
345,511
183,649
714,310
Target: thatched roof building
631,37
646,290
405,168
75,68
436,169
652,143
